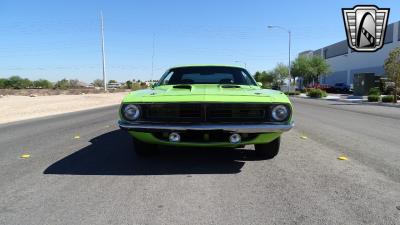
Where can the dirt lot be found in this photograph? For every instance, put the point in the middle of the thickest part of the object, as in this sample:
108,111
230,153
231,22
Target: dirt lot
14,108
45,92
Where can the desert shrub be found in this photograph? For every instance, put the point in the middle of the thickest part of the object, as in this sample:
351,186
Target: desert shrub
62,84
374,91
98,83
374,98
388,98
73,83
316,93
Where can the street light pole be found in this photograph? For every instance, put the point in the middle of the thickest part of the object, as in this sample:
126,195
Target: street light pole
102,52
290,37
290,74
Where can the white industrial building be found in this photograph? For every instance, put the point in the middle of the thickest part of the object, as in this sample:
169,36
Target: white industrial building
344,62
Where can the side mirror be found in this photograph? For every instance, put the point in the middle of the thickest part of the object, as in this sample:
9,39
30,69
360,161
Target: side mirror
259,84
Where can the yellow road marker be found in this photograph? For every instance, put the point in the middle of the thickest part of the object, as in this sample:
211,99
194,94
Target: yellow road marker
342,157
77,137
25,156
303,137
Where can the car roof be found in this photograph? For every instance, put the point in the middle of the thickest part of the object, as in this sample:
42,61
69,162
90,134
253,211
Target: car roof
206,65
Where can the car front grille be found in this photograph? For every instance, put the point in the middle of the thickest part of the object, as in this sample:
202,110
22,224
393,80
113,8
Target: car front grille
210,112
171,112
236,113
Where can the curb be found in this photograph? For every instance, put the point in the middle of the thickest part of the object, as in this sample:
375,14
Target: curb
355,101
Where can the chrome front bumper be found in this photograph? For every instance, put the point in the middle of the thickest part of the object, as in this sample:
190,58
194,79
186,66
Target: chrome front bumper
236,128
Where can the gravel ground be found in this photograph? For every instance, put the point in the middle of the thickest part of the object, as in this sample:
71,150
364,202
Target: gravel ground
14,108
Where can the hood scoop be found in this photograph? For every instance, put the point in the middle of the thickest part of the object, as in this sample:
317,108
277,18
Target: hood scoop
230,86
184,86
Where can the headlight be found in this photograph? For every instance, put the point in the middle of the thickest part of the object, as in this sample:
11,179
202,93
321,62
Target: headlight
280,113
131,112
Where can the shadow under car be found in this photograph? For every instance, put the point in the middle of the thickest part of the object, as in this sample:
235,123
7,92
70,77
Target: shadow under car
112,154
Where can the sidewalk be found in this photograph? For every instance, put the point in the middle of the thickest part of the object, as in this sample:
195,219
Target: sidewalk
350,99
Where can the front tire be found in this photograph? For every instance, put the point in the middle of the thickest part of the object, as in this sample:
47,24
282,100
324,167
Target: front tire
142,148
268,150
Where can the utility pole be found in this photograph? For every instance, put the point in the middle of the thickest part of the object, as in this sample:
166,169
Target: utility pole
102,52
289,69
152,56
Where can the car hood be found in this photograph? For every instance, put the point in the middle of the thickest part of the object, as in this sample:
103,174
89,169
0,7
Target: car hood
206,93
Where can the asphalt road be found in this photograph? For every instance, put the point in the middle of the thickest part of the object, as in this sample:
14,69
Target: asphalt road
97,179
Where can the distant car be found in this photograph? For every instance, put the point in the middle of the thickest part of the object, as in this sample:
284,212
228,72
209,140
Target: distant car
341,87
206,106
319,86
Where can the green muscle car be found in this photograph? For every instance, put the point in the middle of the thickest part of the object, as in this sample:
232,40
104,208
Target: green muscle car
206,106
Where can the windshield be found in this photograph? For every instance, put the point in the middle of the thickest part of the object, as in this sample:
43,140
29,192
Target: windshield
207,75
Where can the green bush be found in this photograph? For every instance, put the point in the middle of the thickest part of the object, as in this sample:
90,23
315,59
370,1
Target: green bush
374,98
316,93
128,84
3,83
374,91
16,82
266,86
41,83
388,98
292,93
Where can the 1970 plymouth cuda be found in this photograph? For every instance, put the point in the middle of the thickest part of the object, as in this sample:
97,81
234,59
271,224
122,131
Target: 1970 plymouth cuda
206,106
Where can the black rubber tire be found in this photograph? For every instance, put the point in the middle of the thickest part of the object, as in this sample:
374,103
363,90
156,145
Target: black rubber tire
268,150
142,148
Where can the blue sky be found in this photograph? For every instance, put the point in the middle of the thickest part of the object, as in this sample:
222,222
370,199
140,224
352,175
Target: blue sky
60,39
